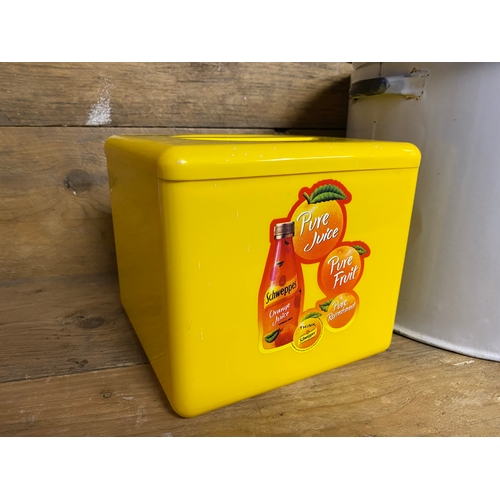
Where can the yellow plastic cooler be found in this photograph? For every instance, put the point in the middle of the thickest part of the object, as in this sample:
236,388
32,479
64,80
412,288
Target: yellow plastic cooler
250,262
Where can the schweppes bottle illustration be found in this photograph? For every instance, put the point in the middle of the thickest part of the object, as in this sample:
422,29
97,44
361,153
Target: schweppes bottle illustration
281,291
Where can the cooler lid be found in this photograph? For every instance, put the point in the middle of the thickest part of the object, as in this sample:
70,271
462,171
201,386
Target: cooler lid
203,157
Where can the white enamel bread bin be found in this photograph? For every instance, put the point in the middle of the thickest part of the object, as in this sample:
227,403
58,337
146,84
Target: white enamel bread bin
450,292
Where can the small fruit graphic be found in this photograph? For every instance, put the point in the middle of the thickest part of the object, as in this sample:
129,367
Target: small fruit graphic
342,269
308,332
319,222
285,336
340,310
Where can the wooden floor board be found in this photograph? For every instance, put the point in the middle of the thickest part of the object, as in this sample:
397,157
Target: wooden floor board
62,325
410,390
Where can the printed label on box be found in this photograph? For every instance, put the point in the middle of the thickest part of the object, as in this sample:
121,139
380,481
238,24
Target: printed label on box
313,232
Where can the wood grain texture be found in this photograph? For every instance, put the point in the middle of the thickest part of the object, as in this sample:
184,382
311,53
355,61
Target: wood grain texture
62,325
55,214
248,95
410,390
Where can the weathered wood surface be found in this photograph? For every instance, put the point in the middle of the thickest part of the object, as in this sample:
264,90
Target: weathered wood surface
63,325
410,390
248,95
55,214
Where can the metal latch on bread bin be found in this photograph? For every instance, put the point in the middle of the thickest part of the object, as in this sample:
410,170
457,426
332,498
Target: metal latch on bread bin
410,86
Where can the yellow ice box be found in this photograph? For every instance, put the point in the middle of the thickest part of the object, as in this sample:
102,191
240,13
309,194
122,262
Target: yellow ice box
248,262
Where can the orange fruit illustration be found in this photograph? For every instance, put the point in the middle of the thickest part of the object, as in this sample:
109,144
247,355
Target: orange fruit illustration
340,310
285,336
318,228
340,271
308,331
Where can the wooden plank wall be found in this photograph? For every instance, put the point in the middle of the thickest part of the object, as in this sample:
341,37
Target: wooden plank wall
54,212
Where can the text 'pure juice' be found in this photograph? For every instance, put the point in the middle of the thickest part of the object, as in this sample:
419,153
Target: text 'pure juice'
281,292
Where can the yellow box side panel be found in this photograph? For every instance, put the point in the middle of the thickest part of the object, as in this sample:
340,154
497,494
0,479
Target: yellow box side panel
215,246
139,251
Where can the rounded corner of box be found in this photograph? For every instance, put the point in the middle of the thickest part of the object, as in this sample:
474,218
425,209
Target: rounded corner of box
184,410
111,142
415,150
169,163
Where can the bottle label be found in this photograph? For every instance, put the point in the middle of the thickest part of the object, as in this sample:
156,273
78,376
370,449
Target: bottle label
278,292
320,221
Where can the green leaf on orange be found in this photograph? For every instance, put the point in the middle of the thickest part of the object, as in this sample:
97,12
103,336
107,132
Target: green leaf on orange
324,306
361,250
312,314
271,337
328,192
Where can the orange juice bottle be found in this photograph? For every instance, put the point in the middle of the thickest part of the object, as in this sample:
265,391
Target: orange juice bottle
281,291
